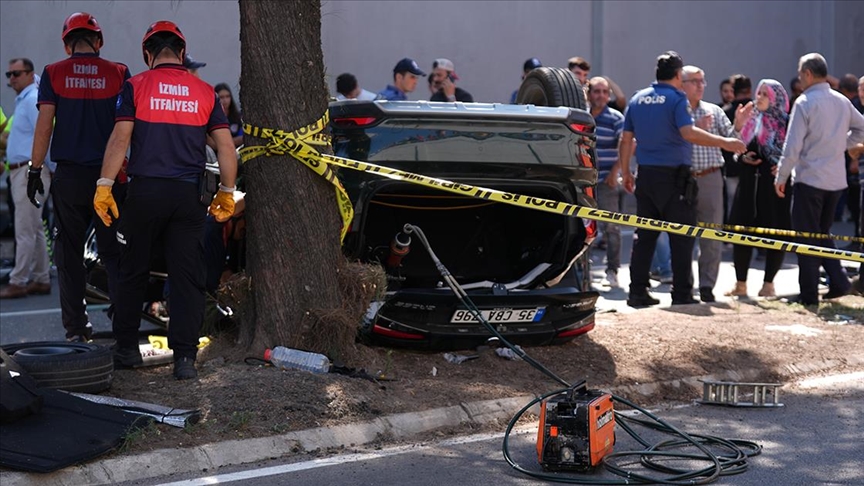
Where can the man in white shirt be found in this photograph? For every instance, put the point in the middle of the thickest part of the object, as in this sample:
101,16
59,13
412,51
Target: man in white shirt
822,126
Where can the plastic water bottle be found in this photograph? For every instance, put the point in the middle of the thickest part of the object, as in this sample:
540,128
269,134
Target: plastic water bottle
287,358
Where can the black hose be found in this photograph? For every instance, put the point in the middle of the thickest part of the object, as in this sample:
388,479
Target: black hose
735,462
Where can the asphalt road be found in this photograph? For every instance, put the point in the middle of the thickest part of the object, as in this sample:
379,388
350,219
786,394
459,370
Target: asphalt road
816,439
37,318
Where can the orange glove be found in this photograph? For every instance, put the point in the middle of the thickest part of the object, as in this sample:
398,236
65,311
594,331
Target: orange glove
222,207
103,203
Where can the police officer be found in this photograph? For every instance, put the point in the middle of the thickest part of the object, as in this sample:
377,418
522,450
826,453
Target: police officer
166,113
81,93
657,116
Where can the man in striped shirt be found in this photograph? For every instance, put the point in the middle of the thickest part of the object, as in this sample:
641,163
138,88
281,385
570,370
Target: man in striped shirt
707,162
610,194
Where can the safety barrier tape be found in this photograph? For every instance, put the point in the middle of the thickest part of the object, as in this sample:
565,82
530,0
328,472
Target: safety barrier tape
301,143
780,232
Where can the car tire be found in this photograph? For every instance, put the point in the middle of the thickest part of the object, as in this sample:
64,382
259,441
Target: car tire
551,86
76,367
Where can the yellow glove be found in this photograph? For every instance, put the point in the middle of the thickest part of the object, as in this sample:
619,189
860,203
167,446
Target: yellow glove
222,206
103,203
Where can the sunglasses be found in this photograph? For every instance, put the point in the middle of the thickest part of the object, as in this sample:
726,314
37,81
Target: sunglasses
16,73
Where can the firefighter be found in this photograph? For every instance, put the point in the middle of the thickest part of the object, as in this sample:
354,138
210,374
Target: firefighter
166,113
81,93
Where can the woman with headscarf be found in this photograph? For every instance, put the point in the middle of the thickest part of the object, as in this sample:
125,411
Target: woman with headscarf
756,202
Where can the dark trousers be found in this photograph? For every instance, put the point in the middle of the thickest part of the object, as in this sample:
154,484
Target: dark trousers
813,211
658,197
72,190
166,213
741,256
214,253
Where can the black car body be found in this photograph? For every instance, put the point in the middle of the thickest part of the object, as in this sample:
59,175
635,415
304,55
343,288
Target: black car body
525,269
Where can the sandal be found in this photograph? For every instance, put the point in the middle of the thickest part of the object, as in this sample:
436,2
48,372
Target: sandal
767,290
740,290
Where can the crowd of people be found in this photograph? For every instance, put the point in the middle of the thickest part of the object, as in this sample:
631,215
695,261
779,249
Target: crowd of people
730,162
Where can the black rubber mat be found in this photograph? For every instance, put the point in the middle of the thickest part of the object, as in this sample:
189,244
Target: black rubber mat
69,430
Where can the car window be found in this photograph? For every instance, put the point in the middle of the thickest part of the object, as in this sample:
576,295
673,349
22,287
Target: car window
447,141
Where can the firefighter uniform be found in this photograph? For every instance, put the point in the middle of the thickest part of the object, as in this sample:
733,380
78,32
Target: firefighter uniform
173,111
83,90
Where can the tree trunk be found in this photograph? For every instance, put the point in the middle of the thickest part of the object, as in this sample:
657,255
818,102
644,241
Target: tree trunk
293,250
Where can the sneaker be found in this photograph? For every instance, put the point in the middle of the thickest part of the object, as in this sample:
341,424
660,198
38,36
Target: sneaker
706,295
663,279
125,358
641,299
184,369
612,278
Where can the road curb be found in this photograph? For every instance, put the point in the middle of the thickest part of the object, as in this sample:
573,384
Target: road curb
210,457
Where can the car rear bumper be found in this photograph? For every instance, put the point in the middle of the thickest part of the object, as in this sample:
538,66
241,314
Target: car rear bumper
422,318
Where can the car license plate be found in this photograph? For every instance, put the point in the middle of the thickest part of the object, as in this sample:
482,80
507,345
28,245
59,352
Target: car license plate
500,315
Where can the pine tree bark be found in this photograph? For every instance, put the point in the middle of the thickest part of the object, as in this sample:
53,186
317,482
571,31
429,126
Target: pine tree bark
293,250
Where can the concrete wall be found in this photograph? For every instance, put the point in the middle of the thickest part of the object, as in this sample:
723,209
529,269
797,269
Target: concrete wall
487,41
32,28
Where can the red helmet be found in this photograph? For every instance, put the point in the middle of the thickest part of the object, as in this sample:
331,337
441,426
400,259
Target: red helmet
163,26
81,20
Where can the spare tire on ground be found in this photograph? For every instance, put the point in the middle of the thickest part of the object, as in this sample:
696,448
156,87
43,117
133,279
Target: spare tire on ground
76,367
551,86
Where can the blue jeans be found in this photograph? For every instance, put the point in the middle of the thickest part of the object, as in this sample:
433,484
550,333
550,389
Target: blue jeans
661,264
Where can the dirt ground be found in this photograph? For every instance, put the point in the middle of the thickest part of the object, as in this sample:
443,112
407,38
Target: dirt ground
239,400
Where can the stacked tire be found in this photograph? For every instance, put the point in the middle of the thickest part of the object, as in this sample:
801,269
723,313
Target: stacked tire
75,367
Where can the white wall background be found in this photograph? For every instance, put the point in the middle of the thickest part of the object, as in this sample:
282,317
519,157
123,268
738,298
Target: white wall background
487,40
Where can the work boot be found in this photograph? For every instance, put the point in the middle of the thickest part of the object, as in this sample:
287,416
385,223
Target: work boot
125,358
641,298
184,369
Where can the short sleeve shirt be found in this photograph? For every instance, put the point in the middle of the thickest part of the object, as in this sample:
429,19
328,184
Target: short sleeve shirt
173,112
391,93
655,115
610,124
83,88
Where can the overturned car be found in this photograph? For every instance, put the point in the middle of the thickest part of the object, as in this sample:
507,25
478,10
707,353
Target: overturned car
527,270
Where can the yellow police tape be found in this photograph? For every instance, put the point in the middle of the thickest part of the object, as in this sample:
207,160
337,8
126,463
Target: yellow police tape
779,232
301,143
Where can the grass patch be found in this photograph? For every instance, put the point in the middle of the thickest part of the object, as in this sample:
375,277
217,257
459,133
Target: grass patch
139,435
240,419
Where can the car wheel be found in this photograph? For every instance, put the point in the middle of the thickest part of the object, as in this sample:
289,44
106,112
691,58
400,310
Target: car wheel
78,367
551,86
